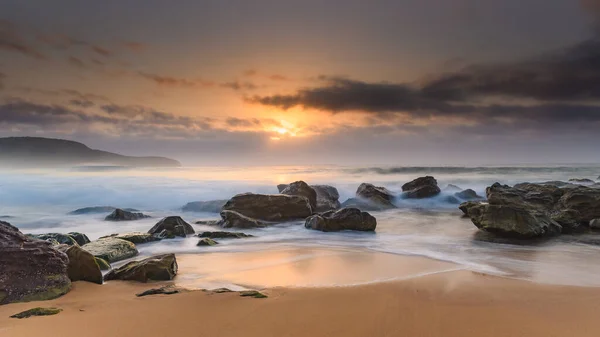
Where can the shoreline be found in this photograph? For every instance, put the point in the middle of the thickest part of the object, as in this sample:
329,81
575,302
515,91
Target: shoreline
447,303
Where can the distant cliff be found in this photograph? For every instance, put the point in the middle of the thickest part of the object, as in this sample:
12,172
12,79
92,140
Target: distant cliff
34,152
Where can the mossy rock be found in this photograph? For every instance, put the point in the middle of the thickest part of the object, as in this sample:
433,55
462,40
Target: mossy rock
135,237
221,290
111,249
207,242
37,312
252,293
81,238
64,239
102,264
82,264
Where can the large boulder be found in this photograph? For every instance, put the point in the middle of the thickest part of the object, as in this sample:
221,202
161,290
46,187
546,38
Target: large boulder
423,187
98,209
155,268
327,198
82,264
275,207
379,197
232,219
30,269
172,226
80,238
135,237
300,188
122,215
343,219
468,194
64,239
511,220
585,200
541,197
111,249
211,206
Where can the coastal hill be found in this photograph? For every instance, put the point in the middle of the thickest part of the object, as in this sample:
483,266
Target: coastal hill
48,152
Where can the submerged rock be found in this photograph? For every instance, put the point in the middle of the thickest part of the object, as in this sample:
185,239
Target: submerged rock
364,205
98,209
231,219
275,207
420,188
64,239
155,268
111,249
211,206
30,270
37,312
135,237
171,227
375,196
300,188
80,238
207,242
343,219
122,215
82,264
224,235
468,194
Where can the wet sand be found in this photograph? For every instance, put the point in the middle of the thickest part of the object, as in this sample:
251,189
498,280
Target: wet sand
425,303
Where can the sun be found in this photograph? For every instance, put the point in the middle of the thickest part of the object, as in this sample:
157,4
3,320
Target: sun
282,131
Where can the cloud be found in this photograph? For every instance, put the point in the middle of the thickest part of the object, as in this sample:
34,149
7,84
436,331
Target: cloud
74,61
240,122
101,51
237,85
81,103
272,77
169,81
135,46
2,77
11,40
59,41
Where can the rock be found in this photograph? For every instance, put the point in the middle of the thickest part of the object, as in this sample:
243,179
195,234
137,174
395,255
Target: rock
363,205
231,219
583,199
31,270
135,237
80,238
327,198
102,264
224,235
343,219
276,207
536,196
37,312
595,224
452,188
468,194
55,237
423,187
221,291
282,187
121,215
465,206
167,290
208,222
155,268
252,293
207,242
451,200
212,206
111,249
376,196
172,226
511,221
585,181
98,209
568,220
82,264
300,188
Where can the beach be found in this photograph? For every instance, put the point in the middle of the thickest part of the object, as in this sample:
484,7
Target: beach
438,302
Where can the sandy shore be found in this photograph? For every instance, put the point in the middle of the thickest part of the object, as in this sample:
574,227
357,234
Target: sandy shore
451,303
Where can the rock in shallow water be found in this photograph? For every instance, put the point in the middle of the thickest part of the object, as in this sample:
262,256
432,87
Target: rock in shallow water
327,198
82,264
135,237
30,270
172,226
275,207
224,235
468,194
155,268
420,188
343,219
122,215
111,249
231,219
207,242
376,196
211,206
300,188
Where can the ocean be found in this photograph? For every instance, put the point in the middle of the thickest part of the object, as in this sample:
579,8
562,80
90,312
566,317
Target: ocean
38,200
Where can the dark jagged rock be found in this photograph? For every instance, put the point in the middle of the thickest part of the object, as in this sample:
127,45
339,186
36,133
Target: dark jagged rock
327,198
536,196
224,235
155,268
212,206
82,264
172,226
583,199
30,270
64,239
98,209
207,242
300,188
231,219
221,291
122,215
420,188
375,196
276,207
111,249
595,224
135,237
343,219
167,290
80,238
282,187
468,194
37,312
568,219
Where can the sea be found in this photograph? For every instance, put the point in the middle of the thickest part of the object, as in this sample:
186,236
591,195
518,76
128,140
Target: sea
39,200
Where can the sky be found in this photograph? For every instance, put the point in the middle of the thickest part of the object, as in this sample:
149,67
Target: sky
303,82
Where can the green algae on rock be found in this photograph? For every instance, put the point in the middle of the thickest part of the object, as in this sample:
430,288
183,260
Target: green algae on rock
37,312
111,249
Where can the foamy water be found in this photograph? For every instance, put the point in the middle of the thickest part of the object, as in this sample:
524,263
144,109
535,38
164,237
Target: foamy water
38,202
